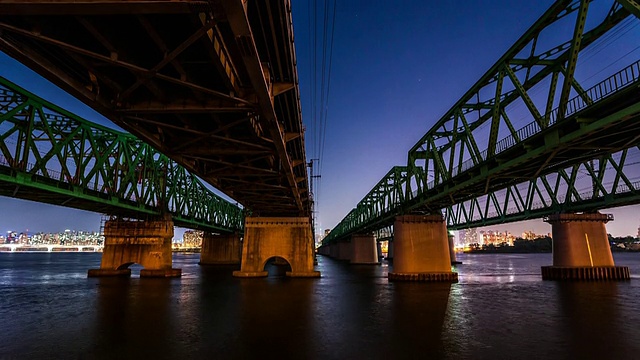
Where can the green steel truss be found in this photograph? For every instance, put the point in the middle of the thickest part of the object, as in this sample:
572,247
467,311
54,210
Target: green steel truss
380,205
610,180
528,117
530,81
50,155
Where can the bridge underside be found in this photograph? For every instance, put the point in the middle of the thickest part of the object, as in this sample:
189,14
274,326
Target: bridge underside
211,84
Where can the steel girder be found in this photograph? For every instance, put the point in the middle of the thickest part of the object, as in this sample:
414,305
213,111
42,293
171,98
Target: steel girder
459,142
50,155
378,207
570,124
607,181
211,84
575,139
608,122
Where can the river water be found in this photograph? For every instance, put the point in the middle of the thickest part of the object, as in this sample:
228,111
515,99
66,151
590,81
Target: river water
500,309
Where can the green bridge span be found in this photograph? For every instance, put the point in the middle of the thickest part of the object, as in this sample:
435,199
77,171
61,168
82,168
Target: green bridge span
50,155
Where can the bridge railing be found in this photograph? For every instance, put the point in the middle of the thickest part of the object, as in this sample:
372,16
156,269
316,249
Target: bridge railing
616,82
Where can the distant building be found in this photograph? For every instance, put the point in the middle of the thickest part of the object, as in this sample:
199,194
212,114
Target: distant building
192,238
68,237
530,235
496,238
468,237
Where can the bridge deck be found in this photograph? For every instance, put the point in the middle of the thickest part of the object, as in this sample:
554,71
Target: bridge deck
213,85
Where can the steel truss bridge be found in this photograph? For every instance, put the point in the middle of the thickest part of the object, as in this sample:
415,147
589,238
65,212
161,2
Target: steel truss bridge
579,150
211,84
50,155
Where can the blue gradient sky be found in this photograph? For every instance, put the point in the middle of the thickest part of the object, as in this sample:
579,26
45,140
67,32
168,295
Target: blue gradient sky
398,66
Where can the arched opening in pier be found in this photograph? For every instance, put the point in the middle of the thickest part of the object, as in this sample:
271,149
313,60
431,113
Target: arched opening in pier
135,268
277,266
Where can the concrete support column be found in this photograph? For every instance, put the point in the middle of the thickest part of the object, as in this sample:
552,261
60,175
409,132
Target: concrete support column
379,250
364,249
452,251
287,237
581,249
421,249
344,250
220,249
390,252
147,243
333,251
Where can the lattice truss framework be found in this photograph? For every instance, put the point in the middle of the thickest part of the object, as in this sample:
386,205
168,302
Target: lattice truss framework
48,154
514,146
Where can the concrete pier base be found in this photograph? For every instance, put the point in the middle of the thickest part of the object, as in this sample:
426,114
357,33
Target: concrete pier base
128,242
586,273
451,277
160,272
364,250
109,272
421,249
221,249
287,237
326,250
581,249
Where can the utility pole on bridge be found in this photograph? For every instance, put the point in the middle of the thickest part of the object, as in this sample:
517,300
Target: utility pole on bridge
312,178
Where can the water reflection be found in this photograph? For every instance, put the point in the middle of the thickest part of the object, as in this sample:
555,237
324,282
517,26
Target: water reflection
351,312
591,320
275,323
370,317
418,312
135,311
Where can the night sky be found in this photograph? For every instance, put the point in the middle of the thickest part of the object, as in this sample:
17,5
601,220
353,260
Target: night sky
397,67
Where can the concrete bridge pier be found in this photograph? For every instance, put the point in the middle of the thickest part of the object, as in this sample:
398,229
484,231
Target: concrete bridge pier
452,251
147,243
421,249
221,249
325,250
344,250
363,249
287,237
581,249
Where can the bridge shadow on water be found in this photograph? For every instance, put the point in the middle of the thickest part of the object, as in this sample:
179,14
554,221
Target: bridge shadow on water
594,328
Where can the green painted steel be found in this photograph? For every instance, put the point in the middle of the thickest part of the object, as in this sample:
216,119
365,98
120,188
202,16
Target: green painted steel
568,125
633,6
607,181
382,203
50,155
451,146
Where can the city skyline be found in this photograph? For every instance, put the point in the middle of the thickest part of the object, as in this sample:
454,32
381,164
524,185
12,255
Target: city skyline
386,91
